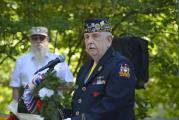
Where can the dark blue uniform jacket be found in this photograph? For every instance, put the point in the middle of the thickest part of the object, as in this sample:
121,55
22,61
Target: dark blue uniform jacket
108,94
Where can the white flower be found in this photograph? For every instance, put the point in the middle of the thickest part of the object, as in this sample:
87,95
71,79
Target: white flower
45,92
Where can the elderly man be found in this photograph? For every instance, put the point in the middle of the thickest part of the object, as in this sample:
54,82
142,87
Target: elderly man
38,56
105,84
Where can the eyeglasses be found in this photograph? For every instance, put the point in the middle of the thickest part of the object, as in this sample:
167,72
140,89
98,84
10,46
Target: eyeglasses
41,38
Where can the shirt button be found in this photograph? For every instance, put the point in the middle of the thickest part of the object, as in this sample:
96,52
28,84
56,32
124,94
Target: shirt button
83,89
79,100
77,113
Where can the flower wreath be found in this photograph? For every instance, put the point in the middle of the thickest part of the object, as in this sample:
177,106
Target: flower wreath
42,96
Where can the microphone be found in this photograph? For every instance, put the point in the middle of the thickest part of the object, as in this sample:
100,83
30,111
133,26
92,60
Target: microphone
52,63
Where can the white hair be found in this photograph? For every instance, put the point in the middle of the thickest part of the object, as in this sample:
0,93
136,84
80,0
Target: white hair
39,55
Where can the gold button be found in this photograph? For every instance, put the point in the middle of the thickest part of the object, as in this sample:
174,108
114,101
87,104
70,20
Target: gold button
77,113
79,100
83,89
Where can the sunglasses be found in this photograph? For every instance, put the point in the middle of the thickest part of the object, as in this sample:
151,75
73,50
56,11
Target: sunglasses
38,38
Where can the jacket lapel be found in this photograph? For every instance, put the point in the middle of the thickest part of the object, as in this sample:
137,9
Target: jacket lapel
100,64
85,70
95,72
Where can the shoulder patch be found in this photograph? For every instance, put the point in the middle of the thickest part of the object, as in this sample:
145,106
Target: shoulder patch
124,71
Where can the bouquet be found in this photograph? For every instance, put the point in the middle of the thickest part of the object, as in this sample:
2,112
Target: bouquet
44,96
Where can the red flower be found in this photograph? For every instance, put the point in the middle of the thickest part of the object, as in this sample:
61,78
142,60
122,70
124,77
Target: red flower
96,93
39,104
11,117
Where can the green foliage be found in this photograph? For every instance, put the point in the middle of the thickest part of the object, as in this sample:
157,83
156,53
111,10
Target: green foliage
49,109
5,98
155,21
50,81
143,105
50,105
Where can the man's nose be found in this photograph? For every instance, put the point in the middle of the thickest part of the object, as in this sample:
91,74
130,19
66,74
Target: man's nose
38,39
90,39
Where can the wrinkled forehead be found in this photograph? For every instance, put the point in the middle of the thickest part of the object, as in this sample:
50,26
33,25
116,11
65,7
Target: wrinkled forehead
93,33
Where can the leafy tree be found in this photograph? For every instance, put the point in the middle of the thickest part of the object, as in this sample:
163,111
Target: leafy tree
154,20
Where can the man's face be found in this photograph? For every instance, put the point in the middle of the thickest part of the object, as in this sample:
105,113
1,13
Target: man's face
97,43
39,42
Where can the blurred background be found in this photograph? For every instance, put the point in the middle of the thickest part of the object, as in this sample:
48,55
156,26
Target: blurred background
152,20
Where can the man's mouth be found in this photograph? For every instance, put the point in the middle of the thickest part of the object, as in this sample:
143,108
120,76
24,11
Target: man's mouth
91,46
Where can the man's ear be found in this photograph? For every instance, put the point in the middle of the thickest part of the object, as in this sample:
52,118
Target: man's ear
109,38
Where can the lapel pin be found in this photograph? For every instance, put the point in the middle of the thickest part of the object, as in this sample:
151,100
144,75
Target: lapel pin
100,67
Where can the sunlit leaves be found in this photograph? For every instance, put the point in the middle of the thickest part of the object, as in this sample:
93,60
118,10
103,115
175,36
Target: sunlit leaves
155,21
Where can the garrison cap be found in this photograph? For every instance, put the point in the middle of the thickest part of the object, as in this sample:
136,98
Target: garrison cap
97,25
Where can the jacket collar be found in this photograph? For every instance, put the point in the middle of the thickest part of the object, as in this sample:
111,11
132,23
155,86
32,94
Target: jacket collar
110,52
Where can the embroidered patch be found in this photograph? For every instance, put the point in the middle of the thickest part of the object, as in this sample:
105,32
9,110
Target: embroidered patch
124,71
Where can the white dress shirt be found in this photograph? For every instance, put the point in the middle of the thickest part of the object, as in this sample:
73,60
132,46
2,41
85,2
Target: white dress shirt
25,68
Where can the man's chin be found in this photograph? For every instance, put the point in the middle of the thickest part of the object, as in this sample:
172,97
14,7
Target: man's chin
93,55
39,50
92,52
